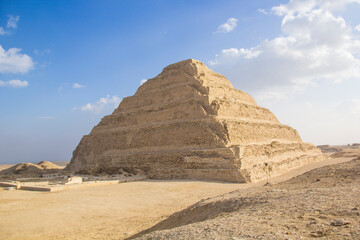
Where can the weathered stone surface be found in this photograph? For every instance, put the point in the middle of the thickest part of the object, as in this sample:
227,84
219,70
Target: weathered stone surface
191,123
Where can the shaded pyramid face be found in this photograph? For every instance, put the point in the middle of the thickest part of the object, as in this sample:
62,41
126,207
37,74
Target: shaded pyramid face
191,123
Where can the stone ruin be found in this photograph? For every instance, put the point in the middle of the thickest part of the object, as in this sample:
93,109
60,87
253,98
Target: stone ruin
73,180
191,123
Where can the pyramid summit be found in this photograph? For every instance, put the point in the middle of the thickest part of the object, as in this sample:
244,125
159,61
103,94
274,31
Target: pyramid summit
191,123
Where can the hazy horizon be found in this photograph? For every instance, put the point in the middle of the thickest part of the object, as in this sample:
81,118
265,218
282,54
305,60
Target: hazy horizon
66,64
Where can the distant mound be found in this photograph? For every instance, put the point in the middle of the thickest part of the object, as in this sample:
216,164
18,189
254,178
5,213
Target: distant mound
48,165
350,152
23,168
30,169
61,163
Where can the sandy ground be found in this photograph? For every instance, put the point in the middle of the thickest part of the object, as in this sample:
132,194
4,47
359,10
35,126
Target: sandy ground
5,166
109,212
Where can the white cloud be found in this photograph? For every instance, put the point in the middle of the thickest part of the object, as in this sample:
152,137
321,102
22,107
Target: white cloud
334,122
279,93
142,81
14,83
62,87
12,61
309,105
300,7
231,54
314,45
99,106
42,52
357,28
230,25
44,64
11,24
348,106
77,85
12,21
355,109
263,11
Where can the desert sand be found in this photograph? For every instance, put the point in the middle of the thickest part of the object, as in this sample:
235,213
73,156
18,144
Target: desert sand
6,166
106,212
115,211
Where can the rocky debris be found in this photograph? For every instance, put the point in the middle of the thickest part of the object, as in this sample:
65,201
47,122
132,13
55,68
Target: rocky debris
300,208
191,123
339,223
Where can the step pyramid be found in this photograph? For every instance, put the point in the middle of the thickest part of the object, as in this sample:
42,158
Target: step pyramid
191,123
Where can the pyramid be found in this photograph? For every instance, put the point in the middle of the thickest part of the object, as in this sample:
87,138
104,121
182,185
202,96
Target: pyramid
191,123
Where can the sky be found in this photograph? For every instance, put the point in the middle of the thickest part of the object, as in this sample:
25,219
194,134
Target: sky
66,64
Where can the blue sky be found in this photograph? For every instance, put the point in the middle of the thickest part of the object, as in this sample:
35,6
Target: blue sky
66,64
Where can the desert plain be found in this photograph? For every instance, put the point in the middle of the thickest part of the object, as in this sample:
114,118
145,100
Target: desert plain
318,200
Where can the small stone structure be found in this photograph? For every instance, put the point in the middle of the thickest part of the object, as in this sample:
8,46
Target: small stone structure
73,180
191,123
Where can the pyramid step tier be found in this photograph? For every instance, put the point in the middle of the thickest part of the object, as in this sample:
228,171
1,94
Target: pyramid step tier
223,163
268,160
183,110
183,92
204,131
